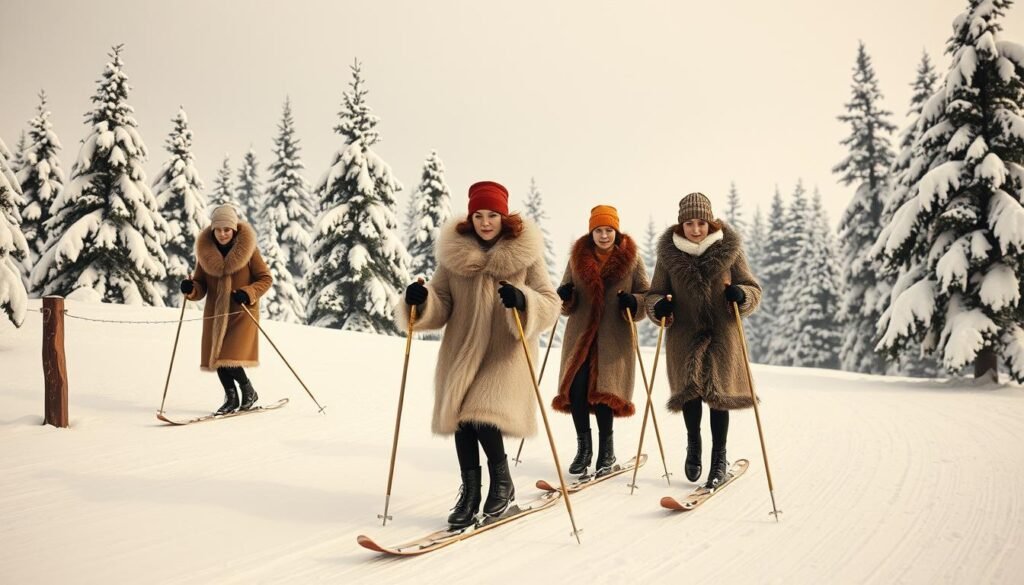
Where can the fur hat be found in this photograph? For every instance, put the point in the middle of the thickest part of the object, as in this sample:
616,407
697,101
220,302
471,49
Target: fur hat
604,215
695,206
224,216
488,195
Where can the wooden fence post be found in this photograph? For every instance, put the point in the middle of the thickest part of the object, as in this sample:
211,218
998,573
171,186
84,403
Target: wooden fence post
55,370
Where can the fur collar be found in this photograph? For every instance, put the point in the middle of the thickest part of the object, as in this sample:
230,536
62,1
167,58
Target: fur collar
711,262
463,255
694,249
214,263
620,263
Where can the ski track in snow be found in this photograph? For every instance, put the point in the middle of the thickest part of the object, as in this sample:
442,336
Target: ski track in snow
881,480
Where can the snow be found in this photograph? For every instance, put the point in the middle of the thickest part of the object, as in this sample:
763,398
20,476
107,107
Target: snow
904,494
965,333
1006,218
1000,287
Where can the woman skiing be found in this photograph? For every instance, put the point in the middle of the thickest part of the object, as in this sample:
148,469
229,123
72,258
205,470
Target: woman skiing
482,386
230,270
605,277
701,263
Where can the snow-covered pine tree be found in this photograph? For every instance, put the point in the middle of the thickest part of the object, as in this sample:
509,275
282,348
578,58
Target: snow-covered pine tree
17,160
534,209
775,269
288,210
810,301
41,177
429,208
250,194
753,243
961,231
179,195
14,253
647,330
867,166
733,213
359,260
284,301
107,242
224,190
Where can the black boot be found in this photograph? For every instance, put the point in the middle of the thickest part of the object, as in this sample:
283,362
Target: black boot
584,453
465,510
249,396
502,492
692,465
230,401
719,468
605,453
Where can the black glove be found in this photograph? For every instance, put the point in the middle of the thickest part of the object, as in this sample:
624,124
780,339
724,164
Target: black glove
240,297
512,297
416,294
627,301
735,294
565,292
663,309
187,286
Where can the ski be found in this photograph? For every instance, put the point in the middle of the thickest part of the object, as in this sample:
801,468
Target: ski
585,481
443,538
702,494
207,417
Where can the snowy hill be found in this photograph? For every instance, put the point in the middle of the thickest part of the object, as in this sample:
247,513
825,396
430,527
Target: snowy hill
881,480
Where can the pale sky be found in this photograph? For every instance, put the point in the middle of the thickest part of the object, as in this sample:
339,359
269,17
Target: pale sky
628,104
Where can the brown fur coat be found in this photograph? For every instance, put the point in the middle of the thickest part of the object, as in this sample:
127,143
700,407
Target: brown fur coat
482,374
597,328
703,349
229,341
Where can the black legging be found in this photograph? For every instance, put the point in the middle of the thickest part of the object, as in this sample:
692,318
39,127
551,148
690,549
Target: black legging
580,405
228,377
719,422
469,435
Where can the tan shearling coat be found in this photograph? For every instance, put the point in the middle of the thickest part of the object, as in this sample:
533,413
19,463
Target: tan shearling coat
232,340
482,374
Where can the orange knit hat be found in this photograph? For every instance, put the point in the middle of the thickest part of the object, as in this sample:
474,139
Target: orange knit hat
604,215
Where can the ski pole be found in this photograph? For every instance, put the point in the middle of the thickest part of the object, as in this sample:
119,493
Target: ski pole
757,413
543,365
650,402
643,427
547,427
174,351
285,360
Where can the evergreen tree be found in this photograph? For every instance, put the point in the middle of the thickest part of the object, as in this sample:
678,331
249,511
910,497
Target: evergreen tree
284,301
359,262
647,330
733,213
866,165
14,253
17,161
288,193
774,275
429,209
179,195
250,195
960,233
754,246
224,189
41,177
107,242
534,210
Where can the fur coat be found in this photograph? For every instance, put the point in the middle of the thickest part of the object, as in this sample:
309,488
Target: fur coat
233,340
482,375
597,328
703,350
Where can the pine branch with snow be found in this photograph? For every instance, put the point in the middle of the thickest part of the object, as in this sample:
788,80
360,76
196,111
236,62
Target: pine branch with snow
41,177
14,251
429,208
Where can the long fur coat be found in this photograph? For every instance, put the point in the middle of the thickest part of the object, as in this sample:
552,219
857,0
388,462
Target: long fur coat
482,375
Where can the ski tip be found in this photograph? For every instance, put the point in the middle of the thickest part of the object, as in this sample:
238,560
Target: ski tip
670,503
543,485
367,542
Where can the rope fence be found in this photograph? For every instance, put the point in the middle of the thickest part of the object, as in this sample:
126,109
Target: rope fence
45,313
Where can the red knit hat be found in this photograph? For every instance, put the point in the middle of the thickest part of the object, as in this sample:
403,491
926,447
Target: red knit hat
488,195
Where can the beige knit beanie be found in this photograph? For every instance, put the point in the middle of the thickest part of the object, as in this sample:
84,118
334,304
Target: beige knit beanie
695,206
224,216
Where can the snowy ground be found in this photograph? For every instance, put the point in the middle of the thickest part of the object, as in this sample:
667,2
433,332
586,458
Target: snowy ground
881,480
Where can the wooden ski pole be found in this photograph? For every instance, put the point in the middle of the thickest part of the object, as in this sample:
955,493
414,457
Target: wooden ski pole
650,401
757,412
285,360
543,365
643,426
174,351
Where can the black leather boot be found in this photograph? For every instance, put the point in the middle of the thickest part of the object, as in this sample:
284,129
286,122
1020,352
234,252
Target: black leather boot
230,401
692,464
465,510
502,492
584,453
249,396
719,469
605,453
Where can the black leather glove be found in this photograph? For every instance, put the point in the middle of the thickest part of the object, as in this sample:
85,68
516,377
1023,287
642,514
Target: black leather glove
416,294
735,294
627,301
512,297
663,309
187,286
240,297
565,292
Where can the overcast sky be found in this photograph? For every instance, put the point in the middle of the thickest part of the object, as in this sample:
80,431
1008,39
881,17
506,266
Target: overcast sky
628,104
